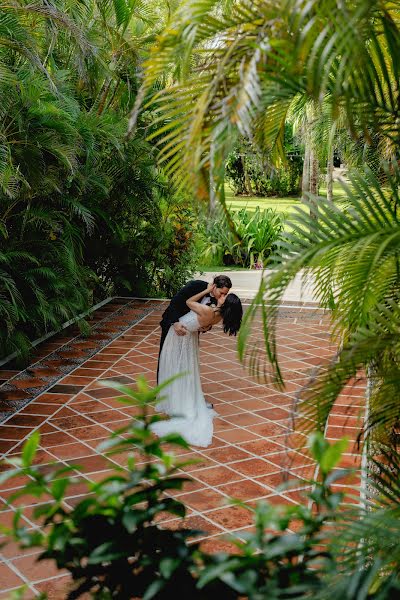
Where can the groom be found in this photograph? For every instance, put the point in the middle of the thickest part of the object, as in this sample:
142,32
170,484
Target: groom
178,307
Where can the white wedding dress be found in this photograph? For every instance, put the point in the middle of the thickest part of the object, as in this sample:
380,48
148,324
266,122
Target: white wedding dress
183,399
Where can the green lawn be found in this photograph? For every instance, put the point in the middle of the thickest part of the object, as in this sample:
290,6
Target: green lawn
283,205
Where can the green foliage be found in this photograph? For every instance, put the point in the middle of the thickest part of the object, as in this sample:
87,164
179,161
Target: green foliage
249,173
257,231
80,206
257,58
113,546
176,259
352,251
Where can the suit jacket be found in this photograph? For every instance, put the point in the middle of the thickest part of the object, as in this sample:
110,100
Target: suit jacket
178,307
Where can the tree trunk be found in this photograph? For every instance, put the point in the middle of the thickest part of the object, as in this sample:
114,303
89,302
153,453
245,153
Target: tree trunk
247,181
314,183
329,176
305,181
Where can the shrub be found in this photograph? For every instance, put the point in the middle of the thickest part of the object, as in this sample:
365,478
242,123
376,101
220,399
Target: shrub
250,174
81,213
110,541
258,232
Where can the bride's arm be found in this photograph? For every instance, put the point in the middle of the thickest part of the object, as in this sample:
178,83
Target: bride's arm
204,312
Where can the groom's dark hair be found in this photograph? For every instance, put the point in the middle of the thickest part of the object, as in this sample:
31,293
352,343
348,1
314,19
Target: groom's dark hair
222,281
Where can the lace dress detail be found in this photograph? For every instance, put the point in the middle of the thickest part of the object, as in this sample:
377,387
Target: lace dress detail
183,399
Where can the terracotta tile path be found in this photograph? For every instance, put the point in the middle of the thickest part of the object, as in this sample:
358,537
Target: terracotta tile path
253,449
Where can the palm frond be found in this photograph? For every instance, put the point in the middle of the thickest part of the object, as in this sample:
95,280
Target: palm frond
351,251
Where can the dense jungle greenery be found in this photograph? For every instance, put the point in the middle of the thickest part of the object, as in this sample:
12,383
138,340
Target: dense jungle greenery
84,213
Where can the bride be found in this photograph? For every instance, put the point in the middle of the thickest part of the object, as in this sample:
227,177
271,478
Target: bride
184,400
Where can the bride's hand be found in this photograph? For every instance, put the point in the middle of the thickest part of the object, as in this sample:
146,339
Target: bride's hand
210,288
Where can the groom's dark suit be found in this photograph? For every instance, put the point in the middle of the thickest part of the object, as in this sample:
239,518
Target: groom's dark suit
178,307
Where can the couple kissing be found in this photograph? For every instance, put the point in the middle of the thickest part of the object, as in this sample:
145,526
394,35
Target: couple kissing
196,308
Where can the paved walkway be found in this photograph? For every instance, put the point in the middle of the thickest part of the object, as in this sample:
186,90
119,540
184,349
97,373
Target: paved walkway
253,449
247,283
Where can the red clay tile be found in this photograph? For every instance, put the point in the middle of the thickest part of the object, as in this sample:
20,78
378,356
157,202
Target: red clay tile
203,499
13,550
22,420
13,483
236,435
103,393
68,451
214,545
252,404
14,433
244,490
274,414
194,522
72,422
9,579
269,429
216,475
90,464
199,462
76,380
36,570
60,388
55,439
231,517
261,447
108,416
254,467
245,419
6,445
37,408
89,432
226,454
53,398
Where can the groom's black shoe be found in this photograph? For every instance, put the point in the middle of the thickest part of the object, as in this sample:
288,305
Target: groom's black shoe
209,405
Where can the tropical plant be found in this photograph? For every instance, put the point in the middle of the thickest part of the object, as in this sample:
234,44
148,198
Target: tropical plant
258,232
113,545
117,519
80,206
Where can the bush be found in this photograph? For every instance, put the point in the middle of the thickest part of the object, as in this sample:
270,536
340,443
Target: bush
176,259
81,213
113,547
249,174
257,232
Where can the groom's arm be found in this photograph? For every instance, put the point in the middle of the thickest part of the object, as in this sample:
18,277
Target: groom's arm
177,305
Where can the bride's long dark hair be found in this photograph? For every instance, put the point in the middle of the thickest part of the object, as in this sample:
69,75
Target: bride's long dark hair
231,312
